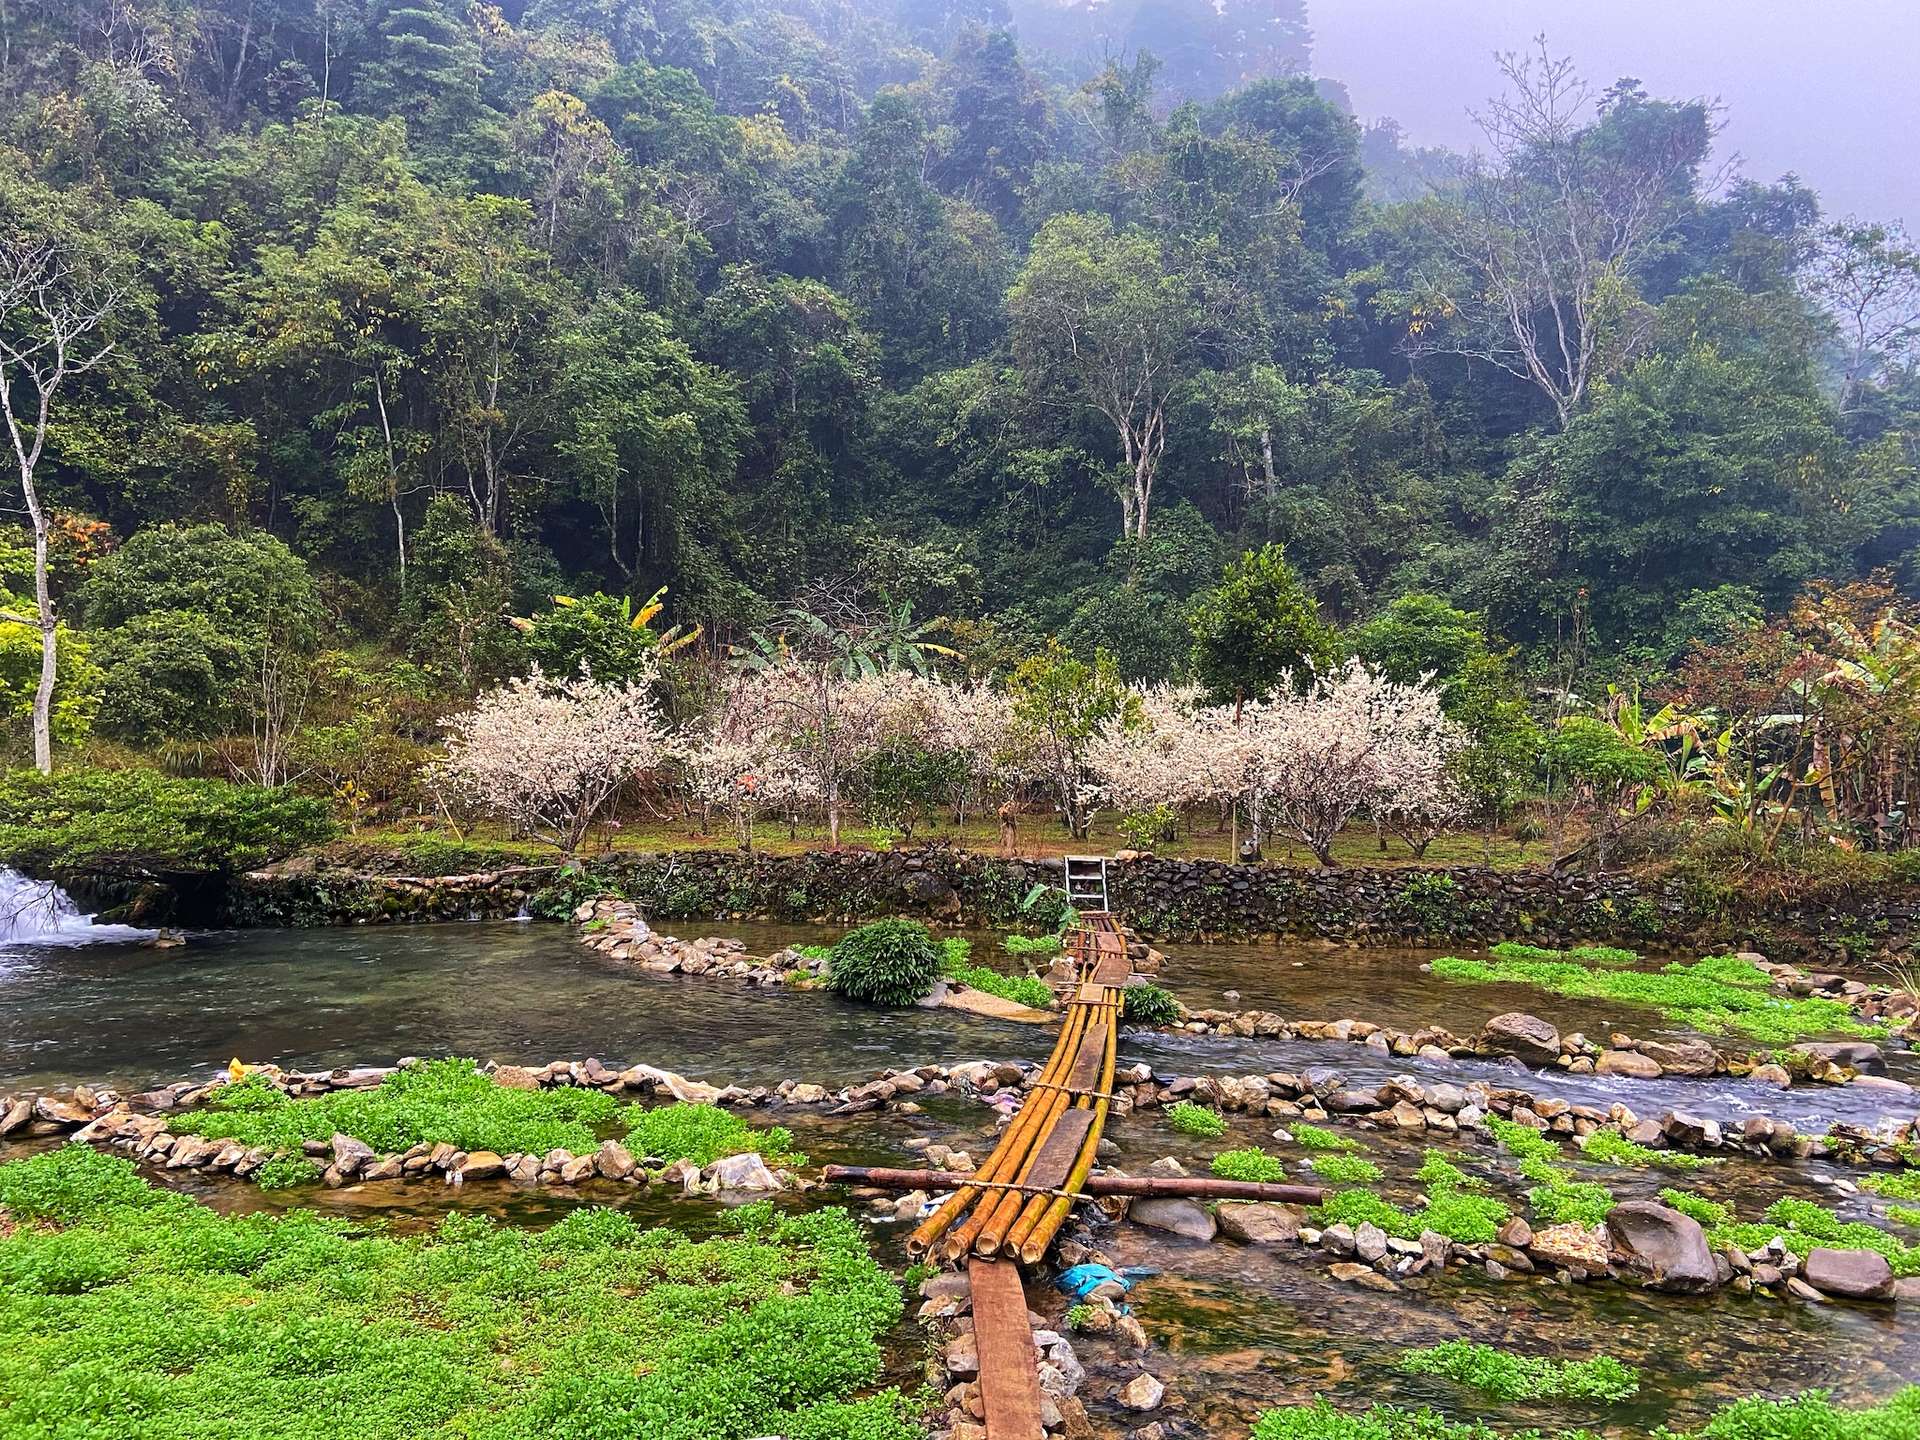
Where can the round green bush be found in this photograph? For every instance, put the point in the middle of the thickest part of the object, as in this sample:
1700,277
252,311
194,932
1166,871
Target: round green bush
890,962
1148,1005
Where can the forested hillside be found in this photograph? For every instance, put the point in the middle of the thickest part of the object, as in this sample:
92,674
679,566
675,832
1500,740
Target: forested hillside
1027,322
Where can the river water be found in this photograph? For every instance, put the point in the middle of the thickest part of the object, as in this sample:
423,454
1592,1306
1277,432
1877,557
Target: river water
1235,1329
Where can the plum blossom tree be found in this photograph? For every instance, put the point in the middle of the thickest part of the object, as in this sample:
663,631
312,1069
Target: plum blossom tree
825,723
547,756
1177,751
1351,741
738,758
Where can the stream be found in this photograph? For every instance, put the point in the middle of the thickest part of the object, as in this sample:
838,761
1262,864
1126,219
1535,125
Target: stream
1234,1329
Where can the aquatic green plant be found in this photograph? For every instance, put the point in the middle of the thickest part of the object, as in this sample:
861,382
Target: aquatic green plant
886,962
1078,1316
1436,1169
703,1134
439,1101
1318,1137
1904,1215
1715,994
1148,1005
1345,1169
1800,1224
1467,1218
1523,1141
1505,1375
1556,1198
1044,945
1810,1416
139,1314
1251,1163
956,964
1613,1148
1898,1185
1191,1119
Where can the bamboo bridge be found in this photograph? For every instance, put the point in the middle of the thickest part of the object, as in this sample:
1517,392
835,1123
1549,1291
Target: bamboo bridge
1009,1211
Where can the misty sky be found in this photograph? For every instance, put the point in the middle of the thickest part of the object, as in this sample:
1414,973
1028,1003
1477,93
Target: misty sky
1827,88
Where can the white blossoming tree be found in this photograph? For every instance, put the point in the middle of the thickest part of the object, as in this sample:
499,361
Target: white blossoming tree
548,756
1353,740
739,760
1176,751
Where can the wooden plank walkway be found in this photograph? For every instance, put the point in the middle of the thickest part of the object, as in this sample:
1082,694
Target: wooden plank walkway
1013,1206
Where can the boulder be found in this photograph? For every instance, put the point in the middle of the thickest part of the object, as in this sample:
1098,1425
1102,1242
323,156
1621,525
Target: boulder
1681,1057
1670,1248
1525,1037
743,1172
482,1165
350,1156
616,1162
1188,1218
1854,1054
1143,1393
1259,1222
1850,1274
1627,1062
515,1077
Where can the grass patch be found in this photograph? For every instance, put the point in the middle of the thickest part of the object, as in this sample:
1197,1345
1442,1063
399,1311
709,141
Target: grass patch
1453,1207
1715,995
1800,1224
1505,1375
1556,1198
1251,1163
1345,1169
1811,1416
1318,1137
449,1101
955,964
704,1134
138,1314
1191,1119
1613,1148
1900,1185
441,1100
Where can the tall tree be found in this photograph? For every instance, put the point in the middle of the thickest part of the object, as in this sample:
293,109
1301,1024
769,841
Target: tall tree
55,299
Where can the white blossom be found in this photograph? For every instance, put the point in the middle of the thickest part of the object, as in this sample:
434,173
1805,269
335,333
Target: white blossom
547,756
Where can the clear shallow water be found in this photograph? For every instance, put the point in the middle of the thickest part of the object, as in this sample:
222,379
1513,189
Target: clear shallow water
133,1015
1236,1329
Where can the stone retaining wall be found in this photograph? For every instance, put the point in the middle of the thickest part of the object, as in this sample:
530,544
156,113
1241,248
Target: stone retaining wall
1160,898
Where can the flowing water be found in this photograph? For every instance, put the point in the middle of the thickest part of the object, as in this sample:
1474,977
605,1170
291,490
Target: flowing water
1234,1330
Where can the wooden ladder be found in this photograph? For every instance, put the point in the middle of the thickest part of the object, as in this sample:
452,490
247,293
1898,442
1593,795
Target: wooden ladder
1087,883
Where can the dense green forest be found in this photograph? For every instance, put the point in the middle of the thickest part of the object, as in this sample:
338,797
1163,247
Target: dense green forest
422,312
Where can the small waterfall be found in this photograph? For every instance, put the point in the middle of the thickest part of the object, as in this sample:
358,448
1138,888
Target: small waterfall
39,912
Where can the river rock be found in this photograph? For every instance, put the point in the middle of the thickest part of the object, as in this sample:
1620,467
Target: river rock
482,1165
1629,1063
1858,1055
742,1172
1681,1056
515,1077
1686,1129
1369,1242
1850,1274
1176,1216
1351,1272
1259,1222
61,1112
1526,1037
350,1156
1669,1247
615,1161
1143,1393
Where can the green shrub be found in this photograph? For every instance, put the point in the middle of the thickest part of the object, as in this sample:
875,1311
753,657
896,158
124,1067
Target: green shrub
1250,1163
1148,1005
148,1315
703,1134
888,962
1345,1169
1191,1119
141,822
1505,1375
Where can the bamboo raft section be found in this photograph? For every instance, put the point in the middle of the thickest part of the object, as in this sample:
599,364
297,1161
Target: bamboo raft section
1014,1205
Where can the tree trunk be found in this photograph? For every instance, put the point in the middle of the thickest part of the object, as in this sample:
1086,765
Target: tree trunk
43,694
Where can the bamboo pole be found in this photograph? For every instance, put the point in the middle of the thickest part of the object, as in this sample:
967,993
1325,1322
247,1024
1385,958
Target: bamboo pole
1035,1231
